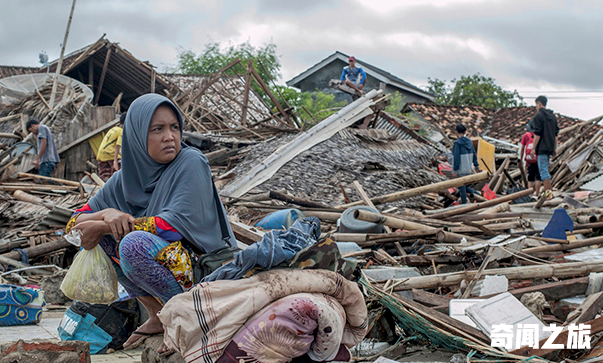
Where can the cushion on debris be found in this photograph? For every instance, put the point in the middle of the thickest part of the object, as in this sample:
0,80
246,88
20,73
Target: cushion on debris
20,305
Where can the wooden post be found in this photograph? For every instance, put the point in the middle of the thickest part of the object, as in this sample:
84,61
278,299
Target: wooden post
91,73
452,183
482,205
60,65
246,93
103,74
153,75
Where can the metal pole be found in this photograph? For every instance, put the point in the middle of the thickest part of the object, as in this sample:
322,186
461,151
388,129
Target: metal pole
58,72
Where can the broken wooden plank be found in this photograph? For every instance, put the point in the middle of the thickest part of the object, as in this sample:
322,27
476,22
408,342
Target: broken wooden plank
587,310
245,233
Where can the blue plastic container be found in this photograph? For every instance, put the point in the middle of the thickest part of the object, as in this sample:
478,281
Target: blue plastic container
282,219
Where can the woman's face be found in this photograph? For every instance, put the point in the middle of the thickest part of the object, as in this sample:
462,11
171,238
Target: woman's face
163,138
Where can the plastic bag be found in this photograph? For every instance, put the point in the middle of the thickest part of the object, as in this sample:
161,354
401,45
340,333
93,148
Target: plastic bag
91,278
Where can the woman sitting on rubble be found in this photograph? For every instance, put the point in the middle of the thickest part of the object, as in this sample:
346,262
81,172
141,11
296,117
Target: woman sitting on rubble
155,215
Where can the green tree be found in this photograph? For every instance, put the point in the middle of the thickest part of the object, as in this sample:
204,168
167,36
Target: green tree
396,104
475,90
267,63
214,56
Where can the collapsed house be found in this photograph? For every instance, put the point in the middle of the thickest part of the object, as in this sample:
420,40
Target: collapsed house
432,275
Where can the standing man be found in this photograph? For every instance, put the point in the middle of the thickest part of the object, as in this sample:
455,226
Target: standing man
464,154
353,76
545,141
48,156
109,151
531,161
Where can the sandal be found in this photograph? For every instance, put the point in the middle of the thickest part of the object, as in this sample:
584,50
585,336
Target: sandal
138,342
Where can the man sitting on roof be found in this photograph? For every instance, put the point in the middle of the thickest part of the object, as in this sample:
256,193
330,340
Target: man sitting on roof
353,76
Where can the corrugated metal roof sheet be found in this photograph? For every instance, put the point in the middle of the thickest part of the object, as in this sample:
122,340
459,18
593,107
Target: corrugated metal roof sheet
594,185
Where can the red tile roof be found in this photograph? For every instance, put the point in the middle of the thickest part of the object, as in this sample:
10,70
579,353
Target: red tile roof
508,124
476,119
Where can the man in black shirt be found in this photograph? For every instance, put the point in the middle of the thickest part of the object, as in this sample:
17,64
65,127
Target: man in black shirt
545,140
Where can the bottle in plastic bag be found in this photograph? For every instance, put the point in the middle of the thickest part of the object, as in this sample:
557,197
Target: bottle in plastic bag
91,278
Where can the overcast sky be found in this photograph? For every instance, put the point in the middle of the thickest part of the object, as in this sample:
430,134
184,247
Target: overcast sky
550,47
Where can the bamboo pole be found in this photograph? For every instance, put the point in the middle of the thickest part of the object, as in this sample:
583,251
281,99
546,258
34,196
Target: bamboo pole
493,227
57,180
484,217
365,198
566,247
482,205
25,197
451,237
40,249
500,208
389,221
55,83
452,183
559,270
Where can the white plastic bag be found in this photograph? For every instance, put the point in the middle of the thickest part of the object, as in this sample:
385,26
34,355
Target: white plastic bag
91,278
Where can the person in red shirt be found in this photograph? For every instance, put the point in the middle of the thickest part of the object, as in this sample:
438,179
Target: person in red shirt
531,162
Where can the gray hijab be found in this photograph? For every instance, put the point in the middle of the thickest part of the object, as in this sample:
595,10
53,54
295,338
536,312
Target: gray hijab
182,192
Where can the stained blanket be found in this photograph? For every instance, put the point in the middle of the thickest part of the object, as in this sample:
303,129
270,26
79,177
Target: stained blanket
202,322
290,327
276,247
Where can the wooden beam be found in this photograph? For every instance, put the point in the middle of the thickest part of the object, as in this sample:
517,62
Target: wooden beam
428,298
209,82
91,73
246,92
102,77
153,75
266,89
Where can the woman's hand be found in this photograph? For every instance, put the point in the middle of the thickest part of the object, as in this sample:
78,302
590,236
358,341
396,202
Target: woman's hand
92,232
119,222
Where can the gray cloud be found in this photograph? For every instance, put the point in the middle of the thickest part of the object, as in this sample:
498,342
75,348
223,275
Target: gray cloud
520,43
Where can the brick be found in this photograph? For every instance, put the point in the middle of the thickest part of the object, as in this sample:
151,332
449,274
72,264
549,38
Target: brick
45,351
